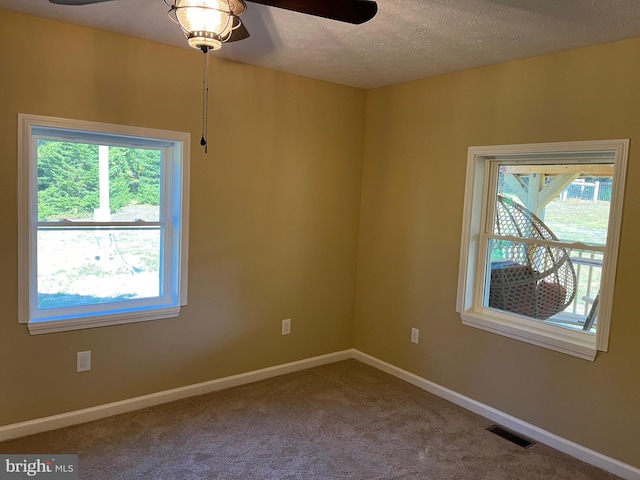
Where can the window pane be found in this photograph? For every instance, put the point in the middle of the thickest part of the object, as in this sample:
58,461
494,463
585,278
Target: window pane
542,282
86,267
134,175
87,182
569,202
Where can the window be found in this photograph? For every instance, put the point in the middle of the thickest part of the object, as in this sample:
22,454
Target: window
103,222
540,242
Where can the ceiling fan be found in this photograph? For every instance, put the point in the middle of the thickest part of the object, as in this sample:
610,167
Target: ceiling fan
225,14
207,24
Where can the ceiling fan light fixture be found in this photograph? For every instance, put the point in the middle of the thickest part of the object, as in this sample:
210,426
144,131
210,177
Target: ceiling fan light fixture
205,23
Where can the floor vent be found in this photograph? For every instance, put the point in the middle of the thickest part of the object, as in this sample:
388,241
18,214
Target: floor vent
511,436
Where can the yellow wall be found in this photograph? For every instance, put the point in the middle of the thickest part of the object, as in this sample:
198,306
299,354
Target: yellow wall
417,135
283,210
274,214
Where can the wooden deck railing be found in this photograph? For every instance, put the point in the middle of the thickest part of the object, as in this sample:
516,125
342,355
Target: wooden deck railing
588,267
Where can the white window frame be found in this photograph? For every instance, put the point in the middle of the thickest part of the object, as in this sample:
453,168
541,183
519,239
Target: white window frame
472,262
175,224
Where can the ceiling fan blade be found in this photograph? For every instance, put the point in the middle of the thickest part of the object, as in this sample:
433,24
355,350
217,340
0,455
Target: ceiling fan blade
349,11
77,2
239,33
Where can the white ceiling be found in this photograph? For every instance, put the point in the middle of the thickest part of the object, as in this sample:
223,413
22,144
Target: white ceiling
406,40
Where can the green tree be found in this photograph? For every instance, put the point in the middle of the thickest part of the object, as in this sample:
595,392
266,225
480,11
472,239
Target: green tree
67,179
134,176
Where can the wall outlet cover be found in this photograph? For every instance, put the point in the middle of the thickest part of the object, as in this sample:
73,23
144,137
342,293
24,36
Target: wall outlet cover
415,335
83,361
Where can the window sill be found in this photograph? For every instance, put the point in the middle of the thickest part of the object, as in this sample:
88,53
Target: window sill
570,342
54,326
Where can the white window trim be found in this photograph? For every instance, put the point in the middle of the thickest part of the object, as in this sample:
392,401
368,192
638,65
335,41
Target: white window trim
26,208
469,301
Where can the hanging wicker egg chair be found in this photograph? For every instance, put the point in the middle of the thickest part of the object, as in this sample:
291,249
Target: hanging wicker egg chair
538,281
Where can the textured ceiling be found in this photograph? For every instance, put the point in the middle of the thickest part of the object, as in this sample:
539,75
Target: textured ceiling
407,40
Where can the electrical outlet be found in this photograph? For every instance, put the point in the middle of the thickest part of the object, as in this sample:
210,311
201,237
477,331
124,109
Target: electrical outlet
83,361
286,326
415,335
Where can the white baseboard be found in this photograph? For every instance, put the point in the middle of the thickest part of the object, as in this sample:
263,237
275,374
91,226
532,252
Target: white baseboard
575,450
102,411
53,422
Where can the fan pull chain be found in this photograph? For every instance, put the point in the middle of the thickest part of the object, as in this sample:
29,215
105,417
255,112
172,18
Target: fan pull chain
205,100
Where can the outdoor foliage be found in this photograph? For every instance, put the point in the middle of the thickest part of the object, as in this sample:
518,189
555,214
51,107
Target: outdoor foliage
68,179
134,175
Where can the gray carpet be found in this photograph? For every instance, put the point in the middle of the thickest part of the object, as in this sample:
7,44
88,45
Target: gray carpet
340,421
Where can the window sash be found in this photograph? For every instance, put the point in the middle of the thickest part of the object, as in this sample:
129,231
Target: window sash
167,173
165,296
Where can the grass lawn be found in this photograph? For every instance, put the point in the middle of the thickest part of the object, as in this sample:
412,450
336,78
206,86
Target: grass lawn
578,220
